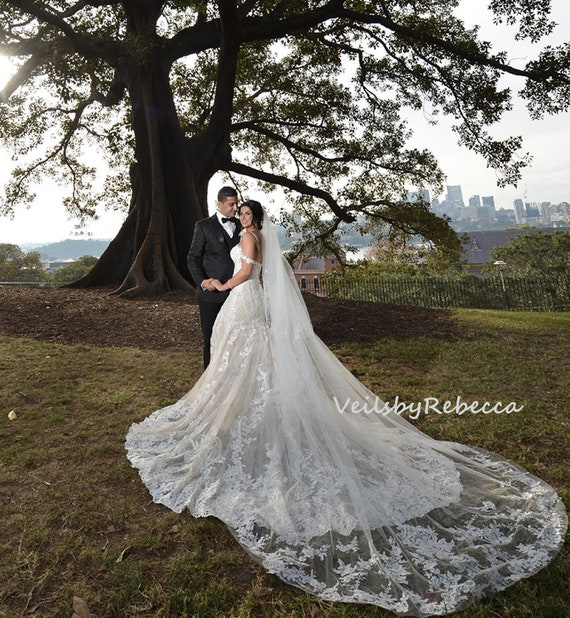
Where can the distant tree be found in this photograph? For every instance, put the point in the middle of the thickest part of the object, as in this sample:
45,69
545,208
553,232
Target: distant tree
397,254
535,254
74,270
176,91
15,265
395,257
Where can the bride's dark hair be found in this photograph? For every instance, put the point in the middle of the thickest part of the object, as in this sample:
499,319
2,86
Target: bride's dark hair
256,210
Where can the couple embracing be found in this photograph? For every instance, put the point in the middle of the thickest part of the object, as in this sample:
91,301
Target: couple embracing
209,260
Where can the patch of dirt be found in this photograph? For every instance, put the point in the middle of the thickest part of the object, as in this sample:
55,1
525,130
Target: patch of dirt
95,316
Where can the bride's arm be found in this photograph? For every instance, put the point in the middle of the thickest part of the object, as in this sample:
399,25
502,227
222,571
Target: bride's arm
249,248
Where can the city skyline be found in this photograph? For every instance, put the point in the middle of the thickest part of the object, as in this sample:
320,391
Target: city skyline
480,212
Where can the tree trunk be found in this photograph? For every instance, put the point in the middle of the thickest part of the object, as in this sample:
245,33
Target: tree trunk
171,173
169,177
169,194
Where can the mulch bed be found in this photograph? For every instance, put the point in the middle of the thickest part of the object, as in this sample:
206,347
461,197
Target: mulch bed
96,316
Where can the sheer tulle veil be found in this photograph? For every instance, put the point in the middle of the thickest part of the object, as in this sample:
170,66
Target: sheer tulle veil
285,308
418,510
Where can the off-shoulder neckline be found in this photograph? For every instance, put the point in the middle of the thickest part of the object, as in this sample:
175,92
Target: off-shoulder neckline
246,256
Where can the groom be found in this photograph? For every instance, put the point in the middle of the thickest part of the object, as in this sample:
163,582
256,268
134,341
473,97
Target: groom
209,258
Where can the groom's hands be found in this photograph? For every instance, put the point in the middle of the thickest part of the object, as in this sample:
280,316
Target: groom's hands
208,284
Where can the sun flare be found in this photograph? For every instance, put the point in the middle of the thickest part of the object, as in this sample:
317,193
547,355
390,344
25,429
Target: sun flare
6,70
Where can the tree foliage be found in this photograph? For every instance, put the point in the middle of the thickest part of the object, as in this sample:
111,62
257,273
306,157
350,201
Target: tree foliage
74,270
535,254
304,96
17,266
401,257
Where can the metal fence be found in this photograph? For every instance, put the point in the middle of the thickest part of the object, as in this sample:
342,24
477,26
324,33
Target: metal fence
489,292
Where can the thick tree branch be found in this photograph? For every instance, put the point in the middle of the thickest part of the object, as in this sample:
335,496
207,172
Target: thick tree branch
87,45
289,144
200,37
20,77
207,36
471,55
47,17
222,110
289,183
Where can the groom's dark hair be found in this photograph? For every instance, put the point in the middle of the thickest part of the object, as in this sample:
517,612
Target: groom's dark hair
226,192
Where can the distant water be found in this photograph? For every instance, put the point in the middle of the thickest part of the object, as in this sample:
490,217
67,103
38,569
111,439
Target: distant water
355,256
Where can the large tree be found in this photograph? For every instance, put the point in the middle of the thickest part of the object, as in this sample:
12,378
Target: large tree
533,254
175,91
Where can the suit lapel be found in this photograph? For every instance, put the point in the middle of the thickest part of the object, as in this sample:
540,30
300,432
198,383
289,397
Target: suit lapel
218,228
235,237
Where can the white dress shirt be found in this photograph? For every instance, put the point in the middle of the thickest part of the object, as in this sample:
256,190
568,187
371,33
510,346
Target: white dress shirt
229,226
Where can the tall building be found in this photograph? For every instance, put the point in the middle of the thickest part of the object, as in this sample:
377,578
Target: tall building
532,210
527,212
454,195
487,210
475,200
545,212
489,202
520,211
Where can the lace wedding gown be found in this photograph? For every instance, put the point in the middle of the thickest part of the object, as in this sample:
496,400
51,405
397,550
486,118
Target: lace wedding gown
351,507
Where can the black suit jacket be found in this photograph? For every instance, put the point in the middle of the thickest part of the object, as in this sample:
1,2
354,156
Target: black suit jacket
209,256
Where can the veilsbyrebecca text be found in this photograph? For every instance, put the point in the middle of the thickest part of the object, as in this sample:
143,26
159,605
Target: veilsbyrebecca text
430,405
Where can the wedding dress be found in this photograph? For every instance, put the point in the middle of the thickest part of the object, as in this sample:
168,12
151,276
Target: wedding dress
351,507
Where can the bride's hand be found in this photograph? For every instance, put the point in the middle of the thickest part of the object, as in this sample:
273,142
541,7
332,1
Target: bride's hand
218,285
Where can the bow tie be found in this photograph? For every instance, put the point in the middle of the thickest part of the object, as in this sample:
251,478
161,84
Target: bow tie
230,219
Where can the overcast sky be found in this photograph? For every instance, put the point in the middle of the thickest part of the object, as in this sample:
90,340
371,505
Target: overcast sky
548,179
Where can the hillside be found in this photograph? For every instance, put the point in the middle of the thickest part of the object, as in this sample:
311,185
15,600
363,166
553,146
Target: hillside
71,249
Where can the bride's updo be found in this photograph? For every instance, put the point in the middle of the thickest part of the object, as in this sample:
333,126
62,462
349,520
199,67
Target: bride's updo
257,212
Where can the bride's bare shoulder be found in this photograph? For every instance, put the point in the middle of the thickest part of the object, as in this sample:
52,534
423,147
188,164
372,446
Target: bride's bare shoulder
253,236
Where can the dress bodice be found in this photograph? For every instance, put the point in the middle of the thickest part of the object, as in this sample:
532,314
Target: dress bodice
238,255
244,305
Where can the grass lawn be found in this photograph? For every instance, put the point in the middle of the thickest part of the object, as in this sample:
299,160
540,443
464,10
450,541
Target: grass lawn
77,521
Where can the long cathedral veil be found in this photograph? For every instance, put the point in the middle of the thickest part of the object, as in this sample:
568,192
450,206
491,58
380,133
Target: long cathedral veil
377,511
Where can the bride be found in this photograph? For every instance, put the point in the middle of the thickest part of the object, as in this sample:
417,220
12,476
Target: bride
351,507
